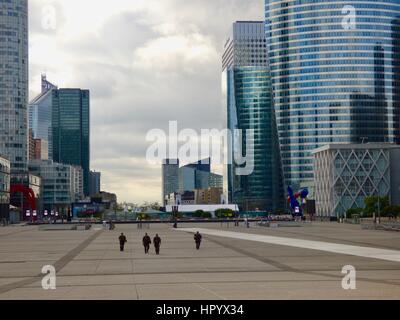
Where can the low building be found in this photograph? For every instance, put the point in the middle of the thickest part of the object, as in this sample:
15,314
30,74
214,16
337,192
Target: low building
205,208
28,192
346,174
61,184
184,198
108,199
4,189
209,196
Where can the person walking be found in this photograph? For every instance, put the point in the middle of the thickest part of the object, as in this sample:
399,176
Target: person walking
197,238
146,243
157,243
122,241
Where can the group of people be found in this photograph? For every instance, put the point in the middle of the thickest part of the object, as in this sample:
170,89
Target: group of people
147,243
156,241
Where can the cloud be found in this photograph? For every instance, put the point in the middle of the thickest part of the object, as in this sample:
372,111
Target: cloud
146,62
176,53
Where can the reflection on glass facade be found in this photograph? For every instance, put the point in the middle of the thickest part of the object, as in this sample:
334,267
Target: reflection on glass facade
40,114
61,184
332,82
71,130
249,107
14,82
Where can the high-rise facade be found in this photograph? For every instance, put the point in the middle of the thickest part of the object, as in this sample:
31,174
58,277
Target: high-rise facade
71,130
247,86
196,176
202,165
61,184
170,177
40,114
335,70
14,83
95,183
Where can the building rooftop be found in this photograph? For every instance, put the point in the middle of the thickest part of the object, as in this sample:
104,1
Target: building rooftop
351,146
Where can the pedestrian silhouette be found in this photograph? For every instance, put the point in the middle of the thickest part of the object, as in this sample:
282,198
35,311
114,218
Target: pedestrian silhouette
197,238
146,243
122,241
157,243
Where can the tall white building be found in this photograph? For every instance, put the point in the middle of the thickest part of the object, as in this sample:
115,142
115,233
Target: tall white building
14,83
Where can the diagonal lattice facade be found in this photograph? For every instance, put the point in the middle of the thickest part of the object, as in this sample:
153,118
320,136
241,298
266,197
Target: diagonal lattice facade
346,174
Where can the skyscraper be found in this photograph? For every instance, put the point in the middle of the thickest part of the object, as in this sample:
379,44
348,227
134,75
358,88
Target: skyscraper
14,83
71,130
170,177
40,114
247,86
335,79
95,183
202,165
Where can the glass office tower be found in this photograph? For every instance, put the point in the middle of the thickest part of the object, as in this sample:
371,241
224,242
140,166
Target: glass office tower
247,85
71,130
14,83
40,117
335,79
170,178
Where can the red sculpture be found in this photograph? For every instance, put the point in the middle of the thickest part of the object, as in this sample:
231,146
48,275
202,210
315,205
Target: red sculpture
28,194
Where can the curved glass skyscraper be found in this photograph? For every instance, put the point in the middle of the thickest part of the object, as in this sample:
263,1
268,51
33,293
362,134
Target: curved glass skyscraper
14,83
247,86
335,68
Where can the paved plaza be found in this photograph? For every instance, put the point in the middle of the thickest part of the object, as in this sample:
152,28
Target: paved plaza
233,263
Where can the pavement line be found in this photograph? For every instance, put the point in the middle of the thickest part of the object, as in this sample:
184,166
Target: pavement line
58,265
210,291
366,252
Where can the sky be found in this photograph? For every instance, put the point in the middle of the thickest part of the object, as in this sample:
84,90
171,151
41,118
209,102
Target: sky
146,62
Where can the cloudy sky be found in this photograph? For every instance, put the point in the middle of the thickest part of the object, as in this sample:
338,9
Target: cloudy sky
146,62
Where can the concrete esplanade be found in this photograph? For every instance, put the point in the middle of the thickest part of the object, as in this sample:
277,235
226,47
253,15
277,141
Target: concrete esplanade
253,263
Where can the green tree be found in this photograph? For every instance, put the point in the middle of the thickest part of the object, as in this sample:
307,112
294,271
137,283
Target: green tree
371,205
144,216
206,215
391,211
198,214
224,213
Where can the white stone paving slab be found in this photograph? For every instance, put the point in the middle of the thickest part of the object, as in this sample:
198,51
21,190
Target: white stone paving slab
366,252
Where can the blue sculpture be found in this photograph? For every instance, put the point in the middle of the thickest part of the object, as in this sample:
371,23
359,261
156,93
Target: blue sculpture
294,203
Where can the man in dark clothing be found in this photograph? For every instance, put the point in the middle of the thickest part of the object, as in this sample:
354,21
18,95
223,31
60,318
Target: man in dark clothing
122,241
157,244
146,243
197,239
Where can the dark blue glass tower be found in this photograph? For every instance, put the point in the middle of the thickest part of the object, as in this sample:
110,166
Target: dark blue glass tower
71,130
